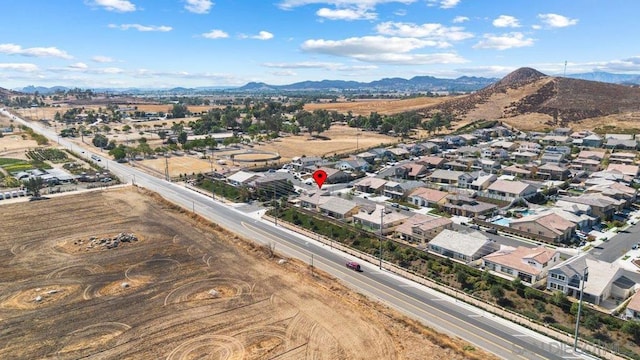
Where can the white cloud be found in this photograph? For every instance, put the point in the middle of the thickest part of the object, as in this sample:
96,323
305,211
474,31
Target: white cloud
487,71
444,4
506,21
102,59
358,13
263,35
79,66
430,31
365,45
448,4
631,64
198,6
557,21
320,65
145,28
504,41
13,49
22,67
460,19
110,70
412,59
369,4
284,73
392,50
536,27
215,34
400,12
116,5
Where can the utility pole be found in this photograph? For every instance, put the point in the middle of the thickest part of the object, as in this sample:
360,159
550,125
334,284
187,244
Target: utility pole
213,191
583,278
275,205
166,169
381,233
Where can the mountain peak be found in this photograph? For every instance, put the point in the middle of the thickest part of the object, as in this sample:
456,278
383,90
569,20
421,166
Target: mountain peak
521,76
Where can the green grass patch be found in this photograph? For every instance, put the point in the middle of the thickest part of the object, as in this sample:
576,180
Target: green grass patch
15,168
9,161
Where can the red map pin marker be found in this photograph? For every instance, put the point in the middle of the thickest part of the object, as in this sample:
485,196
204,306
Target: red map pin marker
319,176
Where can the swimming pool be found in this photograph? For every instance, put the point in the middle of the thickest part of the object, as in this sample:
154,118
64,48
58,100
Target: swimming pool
502,222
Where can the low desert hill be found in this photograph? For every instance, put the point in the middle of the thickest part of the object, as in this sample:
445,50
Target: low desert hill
4,93
529,100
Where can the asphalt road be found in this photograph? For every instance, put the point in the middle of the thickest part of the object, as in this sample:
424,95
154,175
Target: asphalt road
618,245
496,335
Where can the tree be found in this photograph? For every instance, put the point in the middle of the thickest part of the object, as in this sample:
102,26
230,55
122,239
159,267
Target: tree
182,138
462,277
33,185
518,286
118,152
632,328
497,291
162,134
592,322
560,300
100,141
179,111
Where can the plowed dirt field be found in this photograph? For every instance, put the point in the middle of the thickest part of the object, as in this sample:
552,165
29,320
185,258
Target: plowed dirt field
184,290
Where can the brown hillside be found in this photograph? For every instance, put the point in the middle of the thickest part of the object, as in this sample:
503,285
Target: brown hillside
548,101
4,93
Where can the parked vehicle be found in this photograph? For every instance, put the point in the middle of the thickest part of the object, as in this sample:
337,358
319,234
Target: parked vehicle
492,231
353,265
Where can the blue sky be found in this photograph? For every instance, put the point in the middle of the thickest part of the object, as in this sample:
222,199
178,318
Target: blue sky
190,43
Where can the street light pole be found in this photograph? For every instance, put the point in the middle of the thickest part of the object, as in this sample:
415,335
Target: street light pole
575,340
381,234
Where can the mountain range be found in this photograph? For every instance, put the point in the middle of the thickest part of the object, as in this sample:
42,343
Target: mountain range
387,85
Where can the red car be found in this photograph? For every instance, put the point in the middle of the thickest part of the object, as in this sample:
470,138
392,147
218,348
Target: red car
353,265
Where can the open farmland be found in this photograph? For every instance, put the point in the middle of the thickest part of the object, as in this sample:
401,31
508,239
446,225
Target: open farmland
183,290
381,106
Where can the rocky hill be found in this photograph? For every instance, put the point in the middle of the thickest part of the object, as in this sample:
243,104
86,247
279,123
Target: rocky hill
553,101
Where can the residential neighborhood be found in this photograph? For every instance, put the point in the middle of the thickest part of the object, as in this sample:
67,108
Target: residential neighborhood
520,205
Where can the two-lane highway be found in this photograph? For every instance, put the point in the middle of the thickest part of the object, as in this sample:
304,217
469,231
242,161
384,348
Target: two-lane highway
501,337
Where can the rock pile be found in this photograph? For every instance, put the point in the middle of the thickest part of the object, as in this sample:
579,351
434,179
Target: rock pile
109,243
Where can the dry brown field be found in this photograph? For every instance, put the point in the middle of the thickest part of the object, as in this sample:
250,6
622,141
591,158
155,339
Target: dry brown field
381,106
340,139
184,290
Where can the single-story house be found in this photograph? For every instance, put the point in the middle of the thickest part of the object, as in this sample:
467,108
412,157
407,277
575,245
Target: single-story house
449,177
335,176
463,247
466,206
243,178
354,164
506,190
339,208
399,190
425,197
